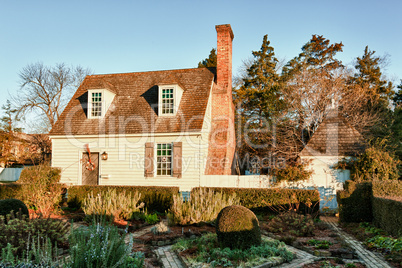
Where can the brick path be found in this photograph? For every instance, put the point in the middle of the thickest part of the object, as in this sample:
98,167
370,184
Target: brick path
168,258
371,259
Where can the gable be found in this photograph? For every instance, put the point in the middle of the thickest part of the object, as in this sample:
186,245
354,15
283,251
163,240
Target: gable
334,137
134,108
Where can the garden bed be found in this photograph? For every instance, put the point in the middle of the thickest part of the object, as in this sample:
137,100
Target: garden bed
366,232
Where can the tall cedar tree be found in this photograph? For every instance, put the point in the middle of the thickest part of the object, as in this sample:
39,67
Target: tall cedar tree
378,91
369,77
258,103
210,61
316,54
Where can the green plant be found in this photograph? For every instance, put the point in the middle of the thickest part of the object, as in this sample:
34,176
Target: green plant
393,245
111,204
206,249
293,223
39,253
237,227
15,205
350,265
19,230
40,188
101,245
151,218
319,244
376,163
203,206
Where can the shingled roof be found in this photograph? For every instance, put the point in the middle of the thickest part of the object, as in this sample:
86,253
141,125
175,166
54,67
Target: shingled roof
134,108
334,137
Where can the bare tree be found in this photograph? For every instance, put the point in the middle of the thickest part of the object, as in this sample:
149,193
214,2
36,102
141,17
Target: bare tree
47,89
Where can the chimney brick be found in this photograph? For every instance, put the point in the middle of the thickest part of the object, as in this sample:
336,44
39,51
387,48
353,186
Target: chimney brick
222,137
224,57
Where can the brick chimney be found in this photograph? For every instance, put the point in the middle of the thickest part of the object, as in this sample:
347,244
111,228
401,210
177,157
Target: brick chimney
222,136
224,56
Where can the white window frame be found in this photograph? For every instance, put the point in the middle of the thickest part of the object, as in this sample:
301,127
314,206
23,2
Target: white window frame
90,104
175,100
157,162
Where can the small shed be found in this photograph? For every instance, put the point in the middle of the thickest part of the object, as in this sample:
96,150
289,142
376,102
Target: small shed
333,140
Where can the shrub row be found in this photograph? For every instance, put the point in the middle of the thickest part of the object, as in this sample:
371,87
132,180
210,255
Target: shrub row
258,199
356,202
387,215
11,190
156,198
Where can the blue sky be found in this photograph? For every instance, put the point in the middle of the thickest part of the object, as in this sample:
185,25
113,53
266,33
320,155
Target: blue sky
133,36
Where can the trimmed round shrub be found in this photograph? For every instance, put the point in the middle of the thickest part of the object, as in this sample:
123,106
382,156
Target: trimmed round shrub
237,227
8,205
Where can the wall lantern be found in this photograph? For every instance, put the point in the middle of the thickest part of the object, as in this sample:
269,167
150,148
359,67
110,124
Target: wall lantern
104,156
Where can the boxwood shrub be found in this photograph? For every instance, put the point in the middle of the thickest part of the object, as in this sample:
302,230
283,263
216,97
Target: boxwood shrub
387,215
358,201
354,202
155,198
273,199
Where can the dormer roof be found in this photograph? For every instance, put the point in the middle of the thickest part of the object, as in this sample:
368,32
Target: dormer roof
134,109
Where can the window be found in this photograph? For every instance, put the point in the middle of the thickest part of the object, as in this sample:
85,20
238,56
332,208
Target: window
164,159
167,101
96,104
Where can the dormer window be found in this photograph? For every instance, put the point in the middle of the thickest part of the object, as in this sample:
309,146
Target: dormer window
96,104
169,99
99,101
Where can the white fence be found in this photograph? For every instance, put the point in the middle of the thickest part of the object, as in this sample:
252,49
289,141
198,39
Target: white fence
249,181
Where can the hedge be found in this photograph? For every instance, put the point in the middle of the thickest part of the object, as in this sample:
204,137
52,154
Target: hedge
155,198
387,215
10,190
354,202
258,199
387,188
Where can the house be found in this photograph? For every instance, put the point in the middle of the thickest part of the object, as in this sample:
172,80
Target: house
333,141
21,149
161,128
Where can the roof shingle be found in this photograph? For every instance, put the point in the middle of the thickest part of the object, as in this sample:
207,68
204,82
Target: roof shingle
134,108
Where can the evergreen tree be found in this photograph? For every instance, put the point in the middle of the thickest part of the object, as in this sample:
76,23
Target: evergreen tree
318,53
369,77
398,96
260,94
259,105
210,61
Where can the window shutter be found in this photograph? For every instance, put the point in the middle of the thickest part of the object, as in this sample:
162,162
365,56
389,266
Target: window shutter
177,159
149,159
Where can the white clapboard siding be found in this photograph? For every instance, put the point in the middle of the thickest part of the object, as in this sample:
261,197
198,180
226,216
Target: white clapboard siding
125,164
